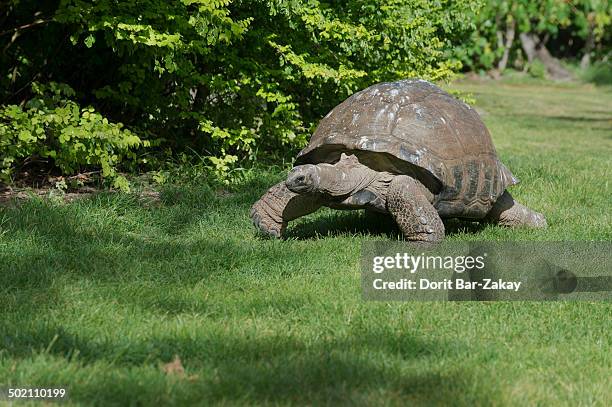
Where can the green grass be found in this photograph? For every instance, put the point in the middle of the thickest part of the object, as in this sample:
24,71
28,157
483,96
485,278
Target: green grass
98,294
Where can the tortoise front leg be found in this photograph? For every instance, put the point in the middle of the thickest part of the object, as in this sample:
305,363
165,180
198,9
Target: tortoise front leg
508,212
415,215
278,206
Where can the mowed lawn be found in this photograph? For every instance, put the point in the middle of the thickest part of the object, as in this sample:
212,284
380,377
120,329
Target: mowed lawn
98,295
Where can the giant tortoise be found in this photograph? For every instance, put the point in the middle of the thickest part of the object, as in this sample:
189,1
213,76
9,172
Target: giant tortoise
405,148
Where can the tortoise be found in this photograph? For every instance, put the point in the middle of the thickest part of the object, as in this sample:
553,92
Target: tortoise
405,148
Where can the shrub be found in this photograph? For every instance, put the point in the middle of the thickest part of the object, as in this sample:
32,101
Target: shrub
51,126
599,73
537,69
233,80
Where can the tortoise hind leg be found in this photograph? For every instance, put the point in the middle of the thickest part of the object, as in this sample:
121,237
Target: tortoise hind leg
415,215
508,212
278,206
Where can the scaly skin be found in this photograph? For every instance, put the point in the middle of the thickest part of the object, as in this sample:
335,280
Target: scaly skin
508,212
414,214
278,206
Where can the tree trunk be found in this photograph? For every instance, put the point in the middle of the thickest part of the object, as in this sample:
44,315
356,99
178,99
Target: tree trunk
536,49
588,47
529,46
507,44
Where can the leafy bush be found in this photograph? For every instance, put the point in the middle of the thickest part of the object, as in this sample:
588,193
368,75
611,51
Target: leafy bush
599,73
52,127
230,80
537,69
575,29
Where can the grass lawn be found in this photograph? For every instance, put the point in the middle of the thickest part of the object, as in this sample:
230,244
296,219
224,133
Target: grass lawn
99,294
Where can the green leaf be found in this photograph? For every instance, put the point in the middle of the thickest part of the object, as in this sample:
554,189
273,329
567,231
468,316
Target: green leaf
89,41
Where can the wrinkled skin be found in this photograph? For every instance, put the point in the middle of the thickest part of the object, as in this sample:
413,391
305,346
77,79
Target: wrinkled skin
348,184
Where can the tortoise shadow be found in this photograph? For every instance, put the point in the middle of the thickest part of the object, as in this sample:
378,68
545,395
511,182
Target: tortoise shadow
365,223
335,223
461,226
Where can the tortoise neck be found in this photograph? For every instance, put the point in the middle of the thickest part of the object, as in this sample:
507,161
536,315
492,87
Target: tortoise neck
344,178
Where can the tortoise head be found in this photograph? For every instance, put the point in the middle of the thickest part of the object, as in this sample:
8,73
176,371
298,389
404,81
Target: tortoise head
304,179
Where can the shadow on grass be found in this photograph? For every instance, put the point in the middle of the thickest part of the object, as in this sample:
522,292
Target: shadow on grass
364,223
542,121
607,120
276,368
332,223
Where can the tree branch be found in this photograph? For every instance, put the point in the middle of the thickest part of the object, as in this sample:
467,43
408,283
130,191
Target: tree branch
24,27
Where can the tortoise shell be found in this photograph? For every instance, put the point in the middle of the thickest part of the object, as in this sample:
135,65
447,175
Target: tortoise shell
413,127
